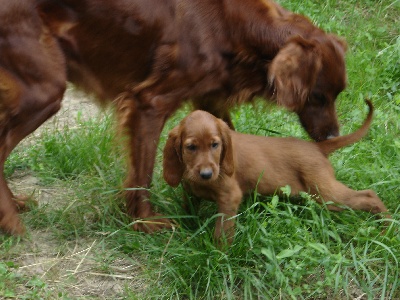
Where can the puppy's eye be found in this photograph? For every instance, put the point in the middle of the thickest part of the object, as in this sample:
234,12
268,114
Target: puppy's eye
191,147
214,145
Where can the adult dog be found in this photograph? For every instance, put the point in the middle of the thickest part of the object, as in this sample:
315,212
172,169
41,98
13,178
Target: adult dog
217,163
147,57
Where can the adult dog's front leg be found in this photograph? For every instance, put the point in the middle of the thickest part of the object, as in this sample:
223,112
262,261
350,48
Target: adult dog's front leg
9,220
143,124
33,111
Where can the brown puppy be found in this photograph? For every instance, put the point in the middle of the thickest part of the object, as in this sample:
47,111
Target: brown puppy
147,57
222,165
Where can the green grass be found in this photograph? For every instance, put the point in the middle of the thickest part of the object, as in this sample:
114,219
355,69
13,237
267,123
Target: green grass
282,250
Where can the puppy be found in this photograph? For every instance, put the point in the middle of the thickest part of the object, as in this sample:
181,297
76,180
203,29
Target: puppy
216,163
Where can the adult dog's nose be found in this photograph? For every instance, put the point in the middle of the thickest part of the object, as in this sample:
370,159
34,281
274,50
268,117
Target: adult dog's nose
206,173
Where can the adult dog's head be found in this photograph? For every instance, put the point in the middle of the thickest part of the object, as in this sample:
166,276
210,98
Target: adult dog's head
307,75
198,150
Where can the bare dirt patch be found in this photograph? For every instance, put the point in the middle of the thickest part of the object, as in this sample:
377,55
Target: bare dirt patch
75,268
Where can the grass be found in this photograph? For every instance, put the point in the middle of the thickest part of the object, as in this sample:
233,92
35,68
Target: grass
282,250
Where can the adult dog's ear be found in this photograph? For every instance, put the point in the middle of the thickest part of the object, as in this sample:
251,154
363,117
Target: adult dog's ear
227,163
9,95
172,158
294,71
339,42
60,20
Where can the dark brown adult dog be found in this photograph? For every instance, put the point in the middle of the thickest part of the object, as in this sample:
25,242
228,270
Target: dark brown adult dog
219,164
147,57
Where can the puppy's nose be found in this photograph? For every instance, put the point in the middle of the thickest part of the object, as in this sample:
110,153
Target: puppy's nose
206,173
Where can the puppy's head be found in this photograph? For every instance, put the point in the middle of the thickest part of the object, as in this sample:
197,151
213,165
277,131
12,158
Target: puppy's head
199,150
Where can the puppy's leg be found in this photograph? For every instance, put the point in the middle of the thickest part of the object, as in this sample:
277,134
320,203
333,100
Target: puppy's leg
228,203
365,200
191,203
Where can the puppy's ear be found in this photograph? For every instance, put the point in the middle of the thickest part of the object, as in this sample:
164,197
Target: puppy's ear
293,72
227,163
172,158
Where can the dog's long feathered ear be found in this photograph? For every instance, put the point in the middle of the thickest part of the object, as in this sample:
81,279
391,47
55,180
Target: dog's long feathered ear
172,158
339,42
59,19
227,162
9,95
293,72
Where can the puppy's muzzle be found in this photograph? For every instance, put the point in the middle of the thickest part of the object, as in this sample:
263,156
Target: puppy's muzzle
206,173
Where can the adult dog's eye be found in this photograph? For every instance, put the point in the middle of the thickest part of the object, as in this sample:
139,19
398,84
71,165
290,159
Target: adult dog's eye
319,97
214,145
191,147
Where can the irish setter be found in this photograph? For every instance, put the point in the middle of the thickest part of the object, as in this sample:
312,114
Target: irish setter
147,58
219,164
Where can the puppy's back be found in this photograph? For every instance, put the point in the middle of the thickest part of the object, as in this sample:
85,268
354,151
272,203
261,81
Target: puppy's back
271,162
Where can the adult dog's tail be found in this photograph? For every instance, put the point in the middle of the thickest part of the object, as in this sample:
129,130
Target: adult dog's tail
329,146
